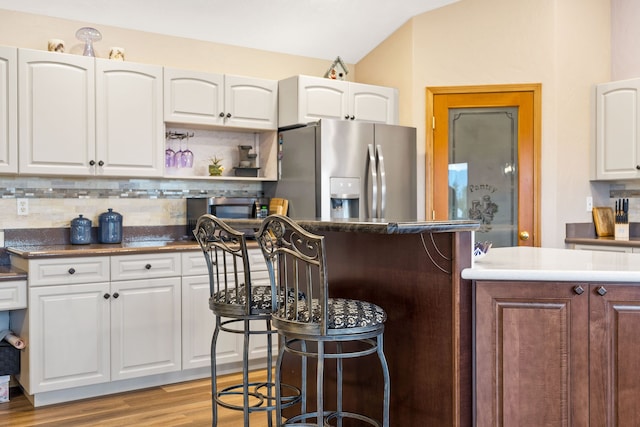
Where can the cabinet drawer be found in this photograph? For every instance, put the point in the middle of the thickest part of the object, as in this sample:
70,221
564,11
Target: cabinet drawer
13,294
67,271
144,266
194,264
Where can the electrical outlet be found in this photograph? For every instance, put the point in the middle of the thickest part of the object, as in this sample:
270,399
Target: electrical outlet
22,206
589,204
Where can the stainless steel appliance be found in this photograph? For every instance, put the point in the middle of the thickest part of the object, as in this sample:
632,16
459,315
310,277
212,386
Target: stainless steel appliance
343,169
226,207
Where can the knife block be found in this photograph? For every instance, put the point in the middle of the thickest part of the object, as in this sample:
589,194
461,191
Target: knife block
621,232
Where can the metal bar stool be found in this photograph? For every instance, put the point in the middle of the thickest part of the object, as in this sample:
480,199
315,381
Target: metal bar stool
235,304
317,326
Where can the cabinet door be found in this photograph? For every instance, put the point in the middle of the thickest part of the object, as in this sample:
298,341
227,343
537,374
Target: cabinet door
56,120
615,355
193,97
531,348
8,110
251,103
198,323
304,99
373,103
129,128
68,337
145,327
617,155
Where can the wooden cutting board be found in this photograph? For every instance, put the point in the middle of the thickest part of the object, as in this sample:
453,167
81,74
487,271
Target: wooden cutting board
603,220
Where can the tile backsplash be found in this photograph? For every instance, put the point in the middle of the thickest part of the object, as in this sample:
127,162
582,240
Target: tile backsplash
54,202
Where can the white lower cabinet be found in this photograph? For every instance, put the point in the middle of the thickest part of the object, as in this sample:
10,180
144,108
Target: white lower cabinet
93,324
67,336
198,321
86,325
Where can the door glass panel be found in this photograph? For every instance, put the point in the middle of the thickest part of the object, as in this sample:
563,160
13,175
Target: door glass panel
483,178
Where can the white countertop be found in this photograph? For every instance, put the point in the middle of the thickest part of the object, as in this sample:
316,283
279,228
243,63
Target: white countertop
546,264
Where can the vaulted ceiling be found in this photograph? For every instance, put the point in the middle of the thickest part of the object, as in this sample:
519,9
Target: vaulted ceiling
315,28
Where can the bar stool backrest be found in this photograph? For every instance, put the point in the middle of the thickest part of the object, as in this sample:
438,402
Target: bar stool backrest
298,273
225,251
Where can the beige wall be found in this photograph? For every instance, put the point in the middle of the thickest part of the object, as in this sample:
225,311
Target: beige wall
563,44
33,31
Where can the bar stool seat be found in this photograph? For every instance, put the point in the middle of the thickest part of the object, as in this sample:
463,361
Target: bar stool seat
331,328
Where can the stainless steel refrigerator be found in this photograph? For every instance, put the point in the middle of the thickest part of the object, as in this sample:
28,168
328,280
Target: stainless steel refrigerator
342,169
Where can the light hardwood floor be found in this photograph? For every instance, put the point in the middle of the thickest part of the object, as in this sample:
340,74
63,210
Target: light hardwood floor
182,404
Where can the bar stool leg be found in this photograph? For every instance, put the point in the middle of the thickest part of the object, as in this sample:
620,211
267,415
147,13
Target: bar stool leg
387,385
281,344
339,383
320,384
245,374
269,373
214,387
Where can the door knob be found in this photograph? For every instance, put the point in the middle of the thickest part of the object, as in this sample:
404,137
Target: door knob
524,235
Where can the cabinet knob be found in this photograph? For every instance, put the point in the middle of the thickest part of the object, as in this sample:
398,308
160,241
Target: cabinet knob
72,270
228,115
578,290
524,235
601,290
116,295
92,162
148,266
352,118
221,114
638,167
346,117
106,296
100,163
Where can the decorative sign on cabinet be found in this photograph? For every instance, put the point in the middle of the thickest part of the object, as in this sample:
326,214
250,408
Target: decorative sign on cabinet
616,150
304,99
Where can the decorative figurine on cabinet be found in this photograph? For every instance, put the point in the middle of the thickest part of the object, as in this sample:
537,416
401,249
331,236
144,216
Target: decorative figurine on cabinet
337,71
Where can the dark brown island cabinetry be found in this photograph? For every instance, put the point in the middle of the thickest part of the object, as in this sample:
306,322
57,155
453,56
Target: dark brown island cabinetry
556,354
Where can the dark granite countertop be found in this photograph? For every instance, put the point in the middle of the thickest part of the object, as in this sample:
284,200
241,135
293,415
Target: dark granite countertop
9,273
370,225
96,249
27,247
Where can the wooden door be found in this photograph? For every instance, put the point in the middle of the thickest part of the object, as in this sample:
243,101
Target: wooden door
525,100
614,355
532,354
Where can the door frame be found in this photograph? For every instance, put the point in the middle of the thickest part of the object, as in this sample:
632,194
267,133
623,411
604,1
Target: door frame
535,89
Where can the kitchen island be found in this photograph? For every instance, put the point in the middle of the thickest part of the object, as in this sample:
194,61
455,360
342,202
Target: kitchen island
412,270
556,337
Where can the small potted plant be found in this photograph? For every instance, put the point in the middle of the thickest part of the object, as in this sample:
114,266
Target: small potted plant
215,167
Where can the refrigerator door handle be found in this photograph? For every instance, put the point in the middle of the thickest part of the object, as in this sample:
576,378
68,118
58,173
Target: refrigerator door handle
372,205
383,181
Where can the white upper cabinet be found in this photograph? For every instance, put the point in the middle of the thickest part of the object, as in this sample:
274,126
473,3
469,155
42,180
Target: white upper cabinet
616,152
60,97
8,110
304,99
129,125
193,97
251,103
56,117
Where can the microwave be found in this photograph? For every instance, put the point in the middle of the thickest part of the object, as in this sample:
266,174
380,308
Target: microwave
226,207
